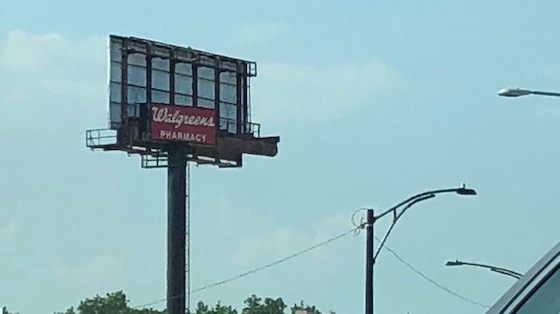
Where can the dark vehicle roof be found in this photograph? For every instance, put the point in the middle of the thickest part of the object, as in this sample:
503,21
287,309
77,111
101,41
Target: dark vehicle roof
511,297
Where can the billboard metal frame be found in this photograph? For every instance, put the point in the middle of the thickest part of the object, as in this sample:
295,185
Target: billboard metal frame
235,134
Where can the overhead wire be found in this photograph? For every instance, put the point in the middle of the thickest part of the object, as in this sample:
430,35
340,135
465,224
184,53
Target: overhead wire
355,231
252,271
433,282
400,259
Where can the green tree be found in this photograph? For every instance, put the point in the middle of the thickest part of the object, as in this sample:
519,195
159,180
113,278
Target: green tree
309,309
253,305
68,311
116,303
5,311
202,308
112,303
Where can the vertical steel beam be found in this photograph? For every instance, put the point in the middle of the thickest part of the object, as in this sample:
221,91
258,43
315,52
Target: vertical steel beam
194,72
172,63
176,228
218,116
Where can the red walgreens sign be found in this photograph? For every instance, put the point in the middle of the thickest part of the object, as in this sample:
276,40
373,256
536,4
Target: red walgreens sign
183,124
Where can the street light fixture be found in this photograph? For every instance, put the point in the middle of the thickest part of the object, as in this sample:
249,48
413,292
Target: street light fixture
517,92
371,255
500,270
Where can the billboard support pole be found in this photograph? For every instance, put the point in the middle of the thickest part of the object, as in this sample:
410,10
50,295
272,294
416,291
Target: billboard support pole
176,227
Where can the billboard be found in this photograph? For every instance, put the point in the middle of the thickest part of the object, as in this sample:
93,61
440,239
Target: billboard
182,124
162,95
143,73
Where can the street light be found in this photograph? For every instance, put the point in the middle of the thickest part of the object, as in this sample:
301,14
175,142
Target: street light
517,92
371,255
500,270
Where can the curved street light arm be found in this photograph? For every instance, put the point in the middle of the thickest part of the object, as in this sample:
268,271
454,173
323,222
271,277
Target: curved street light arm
462,190
500,270
420,199
411,201
506,272
396,218
518,92
536,92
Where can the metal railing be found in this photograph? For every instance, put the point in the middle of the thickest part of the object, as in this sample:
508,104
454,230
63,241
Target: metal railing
100,137
231,126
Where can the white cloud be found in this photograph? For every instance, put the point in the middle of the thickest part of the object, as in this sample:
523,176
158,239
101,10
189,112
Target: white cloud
260,248
36,53
8,232
100,273
258,35
39,64
308,93
324,229
51,83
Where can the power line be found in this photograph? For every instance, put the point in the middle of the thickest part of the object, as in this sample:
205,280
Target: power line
289,257
252,271
400,259
219,283
433,282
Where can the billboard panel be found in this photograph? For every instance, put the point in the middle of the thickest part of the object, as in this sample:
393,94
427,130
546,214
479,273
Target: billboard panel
182,124
143,72
160,94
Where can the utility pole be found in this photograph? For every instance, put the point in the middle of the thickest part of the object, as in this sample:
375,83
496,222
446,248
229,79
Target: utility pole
369,261
370,254
176,227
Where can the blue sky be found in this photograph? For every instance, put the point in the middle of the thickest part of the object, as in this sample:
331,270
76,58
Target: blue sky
374,102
